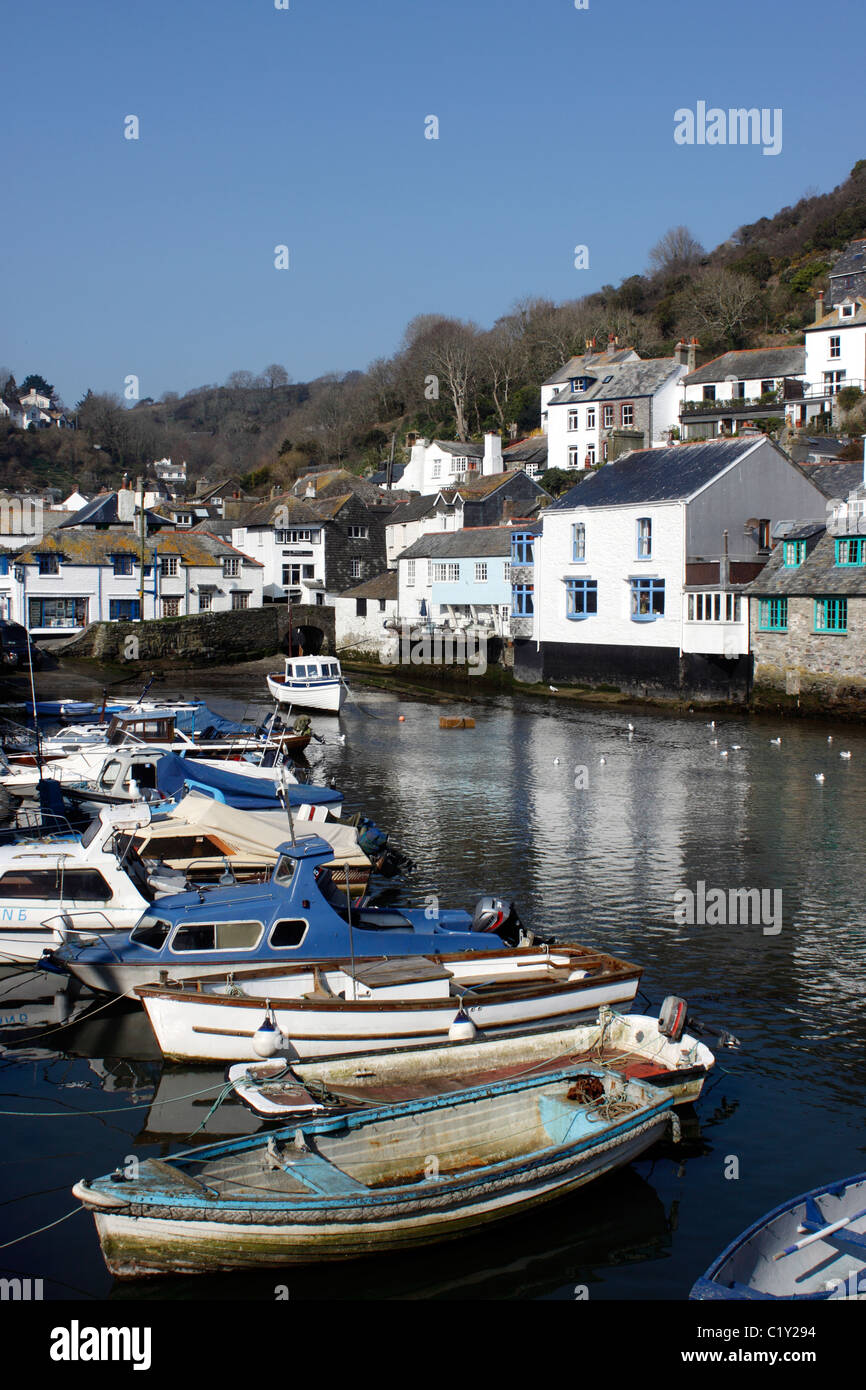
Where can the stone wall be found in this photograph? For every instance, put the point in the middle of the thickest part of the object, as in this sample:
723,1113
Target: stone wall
821,666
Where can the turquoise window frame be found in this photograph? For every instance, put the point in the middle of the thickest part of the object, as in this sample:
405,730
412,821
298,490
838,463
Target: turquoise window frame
831,616
855,543
799,549
773,615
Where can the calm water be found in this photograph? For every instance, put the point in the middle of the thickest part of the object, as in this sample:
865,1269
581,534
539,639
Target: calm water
492,810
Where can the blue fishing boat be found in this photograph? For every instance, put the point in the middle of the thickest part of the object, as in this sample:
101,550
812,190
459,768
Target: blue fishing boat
382,1179
813,1247
298,914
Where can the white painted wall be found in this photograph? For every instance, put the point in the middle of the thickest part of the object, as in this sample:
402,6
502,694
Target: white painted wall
260,543
364,634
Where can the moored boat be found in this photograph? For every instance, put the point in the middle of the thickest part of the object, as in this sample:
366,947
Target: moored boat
381,1179
812,1247
310,682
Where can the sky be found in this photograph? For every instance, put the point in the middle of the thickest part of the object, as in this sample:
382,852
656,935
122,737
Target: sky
304,127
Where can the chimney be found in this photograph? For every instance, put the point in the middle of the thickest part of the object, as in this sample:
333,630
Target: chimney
125,505
679,352
311,489
819,306
492,461
692,358
611,343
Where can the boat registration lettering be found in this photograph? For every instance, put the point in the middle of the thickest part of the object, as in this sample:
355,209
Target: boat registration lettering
9,914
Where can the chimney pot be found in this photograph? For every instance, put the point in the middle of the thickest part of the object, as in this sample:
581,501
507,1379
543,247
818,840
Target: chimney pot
819,306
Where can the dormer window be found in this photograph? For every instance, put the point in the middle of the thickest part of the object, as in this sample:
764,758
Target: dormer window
795,553
48,563
579,383
846,311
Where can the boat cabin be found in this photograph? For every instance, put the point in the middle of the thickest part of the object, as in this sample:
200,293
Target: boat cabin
306,671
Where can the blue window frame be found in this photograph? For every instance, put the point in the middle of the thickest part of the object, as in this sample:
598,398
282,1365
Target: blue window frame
773,615
522,601
521,548
122,564
644,538
647,600
4,564
578,542
851,551
795,553
48,563
124,610
581,598
831,615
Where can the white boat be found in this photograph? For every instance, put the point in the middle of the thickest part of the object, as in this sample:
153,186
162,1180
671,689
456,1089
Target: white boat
391,1178
631,1044
46,883
376,1004
310,682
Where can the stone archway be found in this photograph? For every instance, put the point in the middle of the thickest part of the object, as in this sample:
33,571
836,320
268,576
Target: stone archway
313,630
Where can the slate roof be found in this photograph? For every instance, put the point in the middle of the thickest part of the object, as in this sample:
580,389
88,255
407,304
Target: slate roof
577,366
453,545
656,475
818,575
453,446
86,546
331,481
298,511
751,364
629,380
415,510
833,319
481,487
102,511
380,477
532,450
385,585
835,480
852,259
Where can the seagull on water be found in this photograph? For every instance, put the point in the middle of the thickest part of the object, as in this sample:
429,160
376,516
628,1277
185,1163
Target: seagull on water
829,738
819,776
631,728
554,688
844,755
602,761
777,741
724,753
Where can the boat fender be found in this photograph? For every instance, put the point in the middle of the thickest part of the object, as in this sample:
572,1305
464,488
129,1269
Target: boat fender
267,1039
672,1018
462,1028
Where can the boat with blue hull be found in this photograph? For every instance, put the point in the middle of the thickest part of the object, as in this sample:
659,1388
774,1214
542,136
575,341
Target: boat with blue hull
383,1179
298,914
813,1247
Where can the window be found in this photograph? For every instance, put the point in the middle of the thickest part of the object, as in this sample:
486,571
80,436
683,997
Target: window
231,567
55,884
48,564
124,610
604,449
644,538
359,533
205,601
579,384
291,575
168,566
851,551
795,553
732,608
410,573
521,548
122,564
480,572
506,571
151,932
589,462
521,601
590,417
360,608
308,571
170,607
240,599
709,393
738,392
437,470
572,457
572,419
57,612
831,615
627,415
445,573
293,537
356,569
578,541
773,615
581,598
647,600
847,311
764,535
705,608
222,936
833,380
835,346
4,564
607,416
289,933
768,387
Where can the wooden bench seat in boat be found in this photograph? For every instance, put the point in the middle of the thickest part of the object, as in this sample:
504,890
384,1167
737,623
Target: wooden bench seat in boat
320,1176
400,970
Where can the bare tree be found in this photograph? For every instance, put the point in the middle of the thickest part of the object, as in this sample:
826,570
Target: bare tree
275,375
676,252
722,303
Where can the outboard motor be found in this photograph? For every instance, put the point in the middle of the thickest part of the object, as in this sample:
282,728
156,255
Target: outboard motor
672,1019
497,915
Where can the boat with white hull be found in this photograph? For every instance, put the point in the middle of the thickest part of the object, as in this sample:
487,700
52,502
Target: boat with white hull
310,682
380,1004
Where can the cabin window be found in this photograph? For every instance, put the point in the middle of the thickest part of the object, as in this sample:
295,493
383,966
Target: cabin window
150,932
289,933
54,884
109,776
284,872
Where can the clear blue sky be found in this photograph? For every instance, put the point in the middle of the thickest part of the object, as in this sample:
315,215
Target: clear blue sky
306,127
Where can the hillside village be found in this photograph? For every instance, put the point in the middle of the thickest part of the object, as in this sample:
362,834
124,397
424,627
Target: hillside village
708,537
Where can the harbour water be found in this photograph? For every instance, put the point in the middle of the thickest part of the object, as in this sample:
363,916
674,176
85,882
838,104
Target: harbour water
596,831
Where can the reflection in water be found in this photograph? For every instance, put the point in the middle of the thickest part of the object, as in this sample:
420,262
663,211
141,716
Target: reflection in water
491,810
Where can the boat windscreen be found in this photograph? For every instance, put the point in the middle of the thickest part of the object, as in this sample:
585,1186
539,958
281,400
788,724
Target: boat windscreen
91,831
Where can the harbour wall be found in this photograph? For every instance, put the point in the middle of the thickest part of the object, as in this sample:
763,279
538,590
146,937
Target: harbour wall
205,638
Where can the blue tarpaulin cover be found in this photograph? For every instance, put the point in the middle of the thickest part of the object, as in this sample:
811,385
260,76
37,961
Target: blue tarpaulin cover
245,793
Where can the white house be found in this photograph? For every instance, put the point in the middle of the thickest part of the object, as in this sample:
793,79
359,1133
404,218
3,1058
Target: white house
835,357
443,463
361,615
738,387
606,407
70,578
639,570
576,367
287,537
